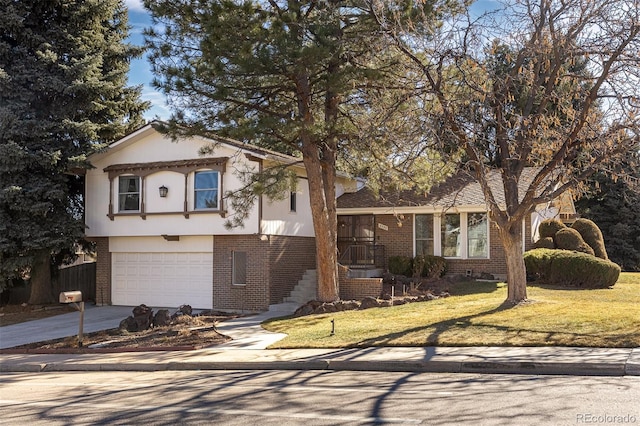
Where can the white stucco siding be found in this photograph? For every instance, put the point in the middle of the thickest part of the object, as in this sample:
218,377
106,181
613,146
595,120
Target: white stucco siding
278,219
163,215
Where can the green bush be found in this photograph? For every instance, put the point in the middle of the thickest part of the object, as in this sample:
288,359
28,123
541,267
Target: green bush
400,265
546,242
434,266
549,227
417,265
571,269
537,262
570,239
591,235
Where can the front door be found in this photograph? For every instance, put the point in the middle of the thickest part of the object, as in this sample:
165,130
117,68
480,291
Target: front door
356,238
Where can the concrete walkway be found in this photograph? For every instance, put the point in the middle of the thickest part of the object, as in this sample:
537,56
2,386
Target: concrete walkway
247,351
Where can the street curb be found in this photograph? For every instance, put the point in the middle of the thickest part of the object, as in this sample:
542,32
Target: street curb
482,367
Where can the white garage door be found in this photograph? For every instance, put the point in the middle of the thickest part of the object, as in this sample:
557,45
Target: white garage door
162,279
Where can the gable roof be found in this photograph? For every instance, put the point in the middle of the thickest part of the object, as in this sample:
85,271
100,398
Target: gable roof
246,148
458,190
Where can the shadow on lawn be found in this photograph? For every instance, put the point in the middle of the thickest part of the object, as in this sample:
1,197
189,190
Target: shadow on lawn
439,328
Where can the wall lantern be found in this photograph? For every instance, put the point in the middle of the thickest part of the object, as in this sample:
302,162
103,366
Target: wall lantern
163,191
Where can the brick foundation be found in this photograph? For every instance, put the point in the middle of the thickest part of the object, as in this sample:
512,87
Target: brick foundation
358,288
274,267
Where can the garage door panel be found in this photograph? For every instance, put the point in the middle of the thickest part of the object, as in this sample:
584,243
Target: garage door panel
163,279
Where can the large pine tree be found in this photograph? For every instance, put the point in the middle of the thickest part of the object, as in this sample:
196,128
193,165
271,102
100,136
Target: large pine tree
285,74
63,95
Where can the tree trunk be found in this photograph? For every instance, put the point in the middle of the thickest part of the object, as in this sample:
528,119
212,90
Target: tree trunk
326,245
516,272
41,279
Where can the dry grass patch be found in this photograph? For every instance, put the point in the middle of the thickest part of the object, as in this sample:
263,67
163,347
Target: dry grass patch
476,316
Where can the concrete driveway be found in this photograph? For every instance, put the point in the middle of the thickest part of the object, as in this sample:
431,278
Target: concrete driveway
96,318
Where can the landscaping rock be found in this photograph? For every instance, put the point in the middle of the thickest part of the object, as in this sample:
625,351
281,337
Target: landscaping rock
369,302
143,317
162,318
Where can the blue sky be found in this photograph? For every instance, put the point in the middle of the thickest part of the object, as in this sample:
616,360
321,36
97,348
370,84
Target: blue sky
140,72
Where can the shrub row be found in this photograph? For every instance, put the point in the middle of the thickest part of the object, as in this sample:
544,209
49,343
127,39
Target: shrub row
419,266
570,269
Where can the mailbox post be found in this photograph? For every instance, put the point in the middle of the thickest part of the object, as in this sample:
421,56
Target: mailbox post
75,298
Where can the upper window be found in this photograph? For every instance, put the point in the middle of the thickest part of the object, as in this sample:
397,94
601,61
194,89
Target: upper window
293,205
129,193
451,235
424,234
477,232
206,190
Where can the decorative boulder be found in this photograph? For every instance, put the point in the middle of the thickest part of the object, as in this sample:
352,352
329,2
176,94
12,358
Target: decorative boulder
162,318
143,316
369,302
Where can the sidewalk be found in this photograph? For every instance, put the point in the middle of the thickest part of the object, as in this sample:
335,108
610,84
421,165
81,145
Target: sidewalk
247,351
547,360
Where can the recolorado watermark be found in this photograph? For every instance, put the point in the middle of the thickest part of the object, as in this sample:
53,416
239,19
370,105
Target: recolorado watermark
589,418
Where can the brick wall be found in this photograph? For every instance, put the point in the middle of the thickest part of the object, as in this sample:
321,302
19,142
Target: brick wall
398,241
103,271
254,296
289,258
357,288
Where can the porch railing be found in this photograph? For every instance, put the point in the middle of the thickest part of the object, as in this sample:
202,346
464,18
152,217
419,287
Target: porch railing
363,255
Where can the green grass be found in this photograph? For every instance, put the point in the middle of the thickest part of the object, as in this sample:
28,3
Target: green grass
475,316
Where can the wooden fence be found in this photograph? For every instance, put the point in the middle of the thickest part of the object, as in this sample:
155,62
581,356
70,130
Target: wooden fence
80,277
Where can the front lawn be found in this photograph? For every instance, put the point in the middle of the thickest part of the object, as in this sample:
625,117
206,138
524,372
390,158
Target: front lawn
475,316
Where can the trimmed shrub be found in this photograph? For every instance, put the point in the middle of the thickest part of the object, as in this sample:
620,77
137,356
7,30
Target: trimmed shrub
434,266
537,262
400,265
549,227
546,242
571,269
570,239
591,235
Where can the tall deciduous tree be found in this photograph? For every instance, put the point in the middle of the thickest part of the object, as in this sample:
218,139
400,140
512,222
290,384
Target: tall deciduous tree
276,73
544,83
63,95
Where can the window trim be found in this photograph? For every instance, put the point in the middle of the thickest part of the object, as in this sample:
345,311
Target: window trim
217,189
487,249
438,221
121,209
415,236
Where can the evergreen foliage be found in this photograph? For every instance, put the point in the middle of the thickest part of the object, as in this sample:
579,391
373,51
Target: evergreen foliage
549,227
613,204
570,269
591,235
63,96
280,74
570,239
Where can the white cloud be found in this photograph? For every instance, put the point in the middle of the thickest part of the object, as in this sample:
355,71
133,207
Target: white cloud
135,5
